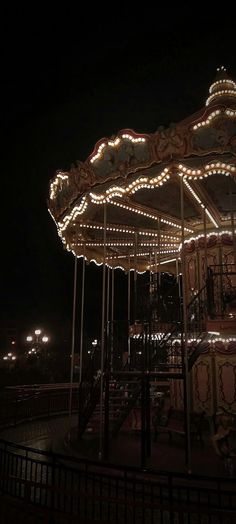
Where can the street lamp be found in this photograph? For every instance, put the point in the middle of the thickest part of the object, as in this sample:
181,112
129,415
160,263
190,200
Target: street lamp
36,340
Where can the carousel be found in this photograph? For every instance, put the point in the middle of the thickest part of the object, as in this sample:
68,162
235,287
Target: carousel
161,207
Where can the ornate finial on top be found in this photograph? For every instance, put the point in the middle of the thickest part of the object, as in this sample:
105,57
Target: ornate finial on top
222,89
221,68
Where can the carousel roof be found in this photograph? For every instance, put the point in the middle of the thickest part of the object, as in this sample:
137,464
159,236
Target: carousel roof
136,179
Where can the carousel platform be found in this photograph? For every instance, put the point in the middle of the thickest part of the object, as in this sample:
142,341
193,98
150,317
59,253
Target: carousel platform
125,450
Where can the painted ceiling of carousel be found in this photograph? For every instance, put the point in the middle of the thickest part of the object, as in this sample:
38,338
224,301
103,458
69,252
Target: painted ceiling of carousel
137,178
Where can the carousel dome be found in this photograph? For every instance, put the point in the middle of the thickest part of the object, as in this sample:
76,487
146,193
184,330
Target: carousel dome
130,188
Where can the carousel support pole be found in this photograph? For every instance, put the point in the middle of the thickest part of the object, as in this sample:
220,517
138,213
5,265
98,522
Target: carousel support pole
159,267
178,313
108,350
143,407
232,222
185,340
148,417
101,429
72,345
205,243
112,317
107,373
135,276
155,281
82,322
151,282
177,269
129,319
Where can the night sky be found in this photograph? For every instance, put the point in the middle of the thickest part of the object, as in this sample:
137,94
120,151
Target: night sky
68,80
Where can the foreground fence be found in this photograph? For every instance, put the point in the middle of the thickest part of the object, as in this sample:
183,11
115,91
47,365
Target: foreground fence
43,487
63,489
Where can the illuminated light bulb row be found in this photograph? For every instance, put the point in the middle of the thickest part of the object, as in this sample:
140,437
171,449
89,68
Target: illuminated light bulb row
161,251
231,112
132,139
222,165
77,210
112,143
211,233
189,171
169,261
210,340
223,81
192,192
148,215
54,185
167,237
217,94
210,117
115,143
213,168
200,202
129,231
140,183
108,244
211,217
157,244
114,229
132,255
115,189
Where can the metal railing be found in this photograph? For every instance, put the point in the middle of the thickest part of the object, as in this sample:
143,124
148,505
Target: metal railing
72,490
25,403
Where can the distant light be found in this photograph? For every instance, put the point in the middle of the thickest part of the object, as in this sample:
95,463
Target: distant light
13,342
38,332
29,352
29,338
13,358
9,354
45,339
213,333
5,358
33,350
94,342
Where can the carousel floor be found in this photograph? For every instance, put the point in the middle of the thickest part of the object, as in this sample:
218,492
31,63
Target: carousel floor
125,449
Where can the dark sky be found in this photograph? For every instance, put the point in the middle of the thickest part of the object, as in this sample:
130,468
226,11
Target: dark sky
68,80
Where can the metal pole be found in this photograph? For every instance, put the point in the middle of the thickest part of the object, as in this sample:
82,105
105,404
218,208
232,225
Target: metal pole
112,317
107,319
159,252
82,323
205,242
177,269
108,293
159,272
102,337
129,322
73,341
135,277
232,221
185,339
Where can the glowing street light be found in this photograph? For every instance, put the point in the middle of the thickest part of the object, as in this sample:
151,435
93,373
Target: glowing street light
36,341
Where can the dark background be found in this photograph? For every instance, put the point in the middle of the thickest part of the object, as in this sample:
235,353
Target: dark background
69,79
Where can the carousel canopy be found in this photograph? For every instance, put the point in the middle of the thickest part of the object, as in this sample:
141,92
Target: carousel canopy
123,204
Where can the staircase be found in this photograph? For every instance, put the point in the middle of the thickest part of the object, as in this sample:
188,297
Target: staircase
153,351
122,394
